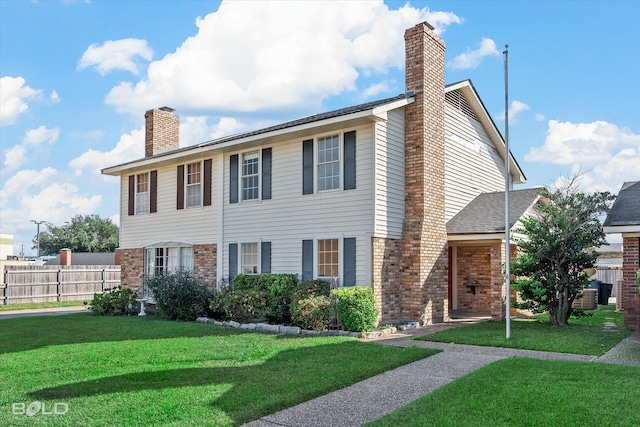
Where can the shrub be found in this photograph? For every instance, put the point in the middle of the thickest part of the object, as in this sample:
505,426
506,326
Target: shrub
180,296
276,288
355,308
242,305
113,302
314,312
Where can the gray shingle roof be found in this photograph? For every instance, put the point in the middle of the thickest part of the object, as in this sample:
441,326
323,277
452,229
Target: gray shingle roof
485,213
626,208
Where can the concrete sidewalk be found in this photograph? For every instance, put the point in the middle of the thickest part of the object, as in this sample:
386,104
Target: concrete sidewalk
377,396
54,311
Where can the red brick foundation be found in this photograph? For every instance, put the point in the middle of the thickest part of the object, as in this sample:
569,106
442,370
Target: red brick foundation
205,259
386,278
132,269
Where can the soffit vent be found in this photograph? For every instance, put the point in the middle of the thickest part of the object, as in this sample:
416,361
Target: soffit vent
458,101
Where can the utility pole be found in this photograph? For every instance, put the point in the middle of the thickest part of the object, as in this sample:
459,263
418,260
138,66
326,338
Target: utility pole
38,235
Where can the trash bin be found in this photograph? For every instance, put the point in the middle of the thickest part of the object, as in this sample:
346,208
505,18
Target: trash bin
604,292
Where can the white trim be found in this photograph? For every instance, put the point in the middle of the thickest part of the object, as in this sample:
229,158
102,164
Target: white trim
465,237
316,175
616,229
220,222
454,277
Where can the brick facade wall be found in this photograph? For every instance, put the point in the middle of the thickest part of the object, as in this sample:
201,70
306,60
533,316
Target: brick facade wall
475,265
205,259
386,279
161,132
630,295
424,250
132,269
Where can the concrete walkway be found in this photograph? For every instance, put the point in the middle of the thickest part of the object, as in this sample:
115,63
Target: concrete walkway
54,311
375,397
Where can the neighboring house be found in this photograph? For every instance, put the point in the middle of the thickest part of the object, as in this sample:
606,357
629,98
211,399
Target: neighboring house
67,257
624,218
361,195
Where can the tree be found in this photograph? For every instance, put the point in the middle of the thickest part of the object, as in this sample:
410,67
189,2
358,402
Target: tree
88,233
558,248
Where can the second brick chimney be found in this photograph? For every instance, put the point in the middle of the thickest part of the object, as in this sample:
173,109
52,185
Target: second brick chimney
161,131
65,256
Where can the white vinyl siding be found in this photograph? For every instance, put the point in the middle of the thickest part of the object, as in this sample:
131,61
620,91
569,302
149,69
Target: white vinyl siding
389,175
472,164
289,217
196,226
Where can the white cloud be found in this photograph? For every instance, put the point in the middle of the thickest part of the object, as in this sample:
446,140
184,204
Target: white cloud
53,97
473,58
16,156
14,95
516,108
116,55
375,89
251,56
129,147
41,195
606,154
539,117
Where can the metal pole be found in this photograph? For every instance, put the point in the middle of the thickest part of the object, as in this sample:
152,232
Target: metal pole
38,235
507,179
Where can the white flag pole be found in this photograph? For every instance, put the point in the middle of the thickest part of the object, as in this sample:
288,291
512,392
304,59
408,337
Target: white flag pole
507,222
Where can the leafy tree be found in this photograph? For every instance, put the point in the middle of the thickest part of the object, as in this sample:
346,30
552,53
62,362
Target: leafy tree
558,248
88,233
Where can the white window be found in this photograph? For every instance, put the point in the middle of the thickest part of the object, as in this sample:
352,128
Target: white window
193,186
329,163
161,260
142,193
249,258
250,176
328,256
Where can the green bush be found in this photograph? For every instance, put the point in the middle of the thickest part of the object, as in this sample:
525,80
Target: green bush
314,312
240,305
113,302
355,308
180,296
277,290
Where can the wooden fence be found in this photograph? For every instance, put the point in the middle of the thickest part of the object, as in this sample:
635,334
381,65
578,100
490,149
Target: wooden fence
42,283
609,275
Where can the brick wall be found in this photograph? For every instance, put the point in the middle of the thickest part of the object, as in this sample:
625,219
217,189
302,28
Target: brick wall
473,263
205,264
161,131
424,262
132,269
386,280
630,295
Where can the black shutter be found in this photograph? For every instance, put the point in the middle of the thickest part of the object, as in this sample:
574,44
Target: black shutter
206,189
180,192
153,192
233,179
132,195
307,260
233,261
350,160
265,257
349,261
307,166
266,173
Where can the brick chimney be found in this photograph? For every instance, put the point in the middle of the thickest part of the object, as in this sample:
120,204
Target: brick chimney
161,131
424,248
65,256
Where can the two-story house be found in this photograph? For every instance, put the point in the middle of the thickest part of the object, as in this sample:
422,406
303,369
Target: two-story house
362,195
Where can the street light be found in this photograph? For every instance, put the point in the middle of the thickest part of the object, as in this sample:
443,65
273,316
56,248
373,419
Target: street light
38,235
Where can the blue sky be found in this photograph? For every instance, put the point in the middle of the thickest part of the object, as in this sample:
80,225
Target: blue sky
77,76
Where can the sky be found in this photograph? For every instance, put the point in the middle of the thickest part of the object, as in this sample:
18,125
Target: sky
77,76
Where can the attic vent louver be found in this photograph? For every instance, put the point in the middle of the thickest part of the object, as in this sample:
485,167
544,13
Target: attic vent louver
455,99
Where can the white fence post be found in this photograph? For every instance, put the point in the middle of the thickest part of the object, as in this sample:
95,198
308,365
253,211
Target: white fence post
5,286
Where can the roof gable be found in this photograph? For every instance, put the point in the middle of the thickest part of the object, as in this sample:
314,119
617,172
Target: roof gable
626,208
474,107
485,213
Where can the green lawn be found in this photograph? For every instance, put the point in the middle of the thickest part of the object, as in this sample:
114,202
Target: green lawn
530,392
146,371
583,336
32,305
